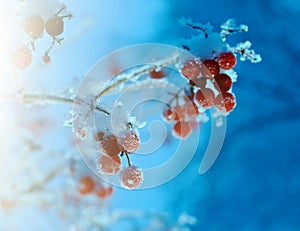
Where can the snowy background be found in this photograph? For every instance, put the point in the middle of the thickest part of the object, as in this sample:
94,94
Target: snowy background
254,184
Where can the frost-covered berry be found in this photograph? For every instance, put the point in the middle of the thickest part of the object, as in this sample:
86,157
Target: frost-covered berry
86,185
205,97
199,82
223,82
226,60
225,102
157,74
131,177
54,26
129,142
168,114
34,26
182,129
191,109
179,112
109,144
191,69
109,165
210,68
21,57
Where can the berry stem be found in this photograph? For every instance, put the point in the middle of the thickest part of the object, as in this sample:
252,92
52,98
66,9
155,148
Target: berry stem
28,99
137,74
128,159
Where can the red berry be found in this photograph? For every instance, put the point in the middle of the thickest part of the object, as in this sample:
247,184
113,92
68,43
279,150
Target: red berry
109,144
86,185
223,82
191,69
191,110
109,165
131,177
157,74
168,114
182,129
34,26
129,142
179,112
210,69
205,97
225,102
226,60
199,82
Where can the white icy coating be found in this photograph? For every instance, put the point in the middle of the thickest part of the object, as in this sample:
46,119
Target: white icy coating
246,53
230,27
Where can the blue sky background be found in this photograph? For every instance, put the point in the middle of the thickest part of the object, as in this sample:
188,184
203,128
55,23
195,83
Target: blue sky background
255,182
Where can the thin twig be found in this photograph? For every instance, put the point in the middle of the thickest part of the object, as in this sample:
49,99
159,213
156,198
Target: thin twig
136,74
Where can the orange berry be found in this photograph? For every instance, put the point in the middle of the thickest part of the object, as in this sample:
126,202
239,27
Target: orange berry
182,129
109,165
22,57
130,142
205,97
86,185
191,69
131,177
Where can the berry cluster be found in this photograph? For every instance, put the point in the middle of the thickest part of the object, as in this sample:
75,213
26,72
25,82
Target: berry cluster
208,85
113,147
34,26
87,185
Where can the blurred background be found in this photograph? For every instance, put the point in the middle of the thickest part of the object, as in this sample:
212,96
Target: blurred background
254,184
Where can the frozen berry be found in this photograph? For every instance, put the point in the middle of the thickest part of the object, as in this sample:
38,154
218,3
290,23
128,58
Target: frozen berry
131,177
168,114
191,69
21,57
182,129
225,102
205,97
155,74
223,82
129,142
210,68
109,144
179,112
226,60
199,82
109,165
